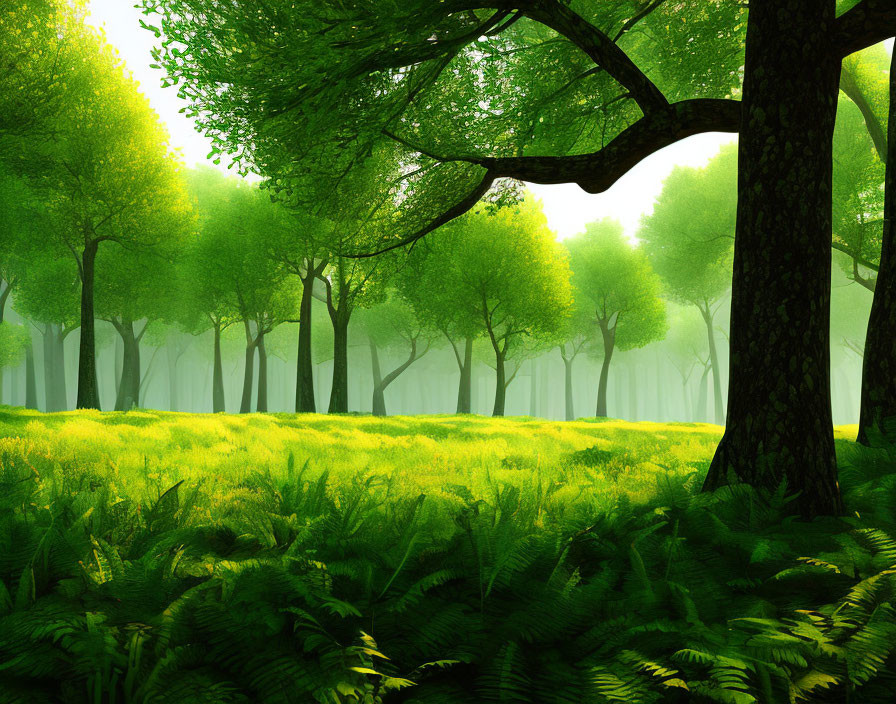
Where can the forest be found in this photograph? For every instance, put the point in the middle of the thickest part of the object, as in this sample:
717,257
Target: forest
341,413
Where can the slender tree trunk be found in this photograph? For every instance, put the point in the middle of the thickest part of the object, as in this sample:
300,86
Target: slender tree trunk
173,386
54,368
465,387
701,395
381,383
128,395
262,401
633,391
218,376
567,374
609,338
30,377
339,390
719,414
660,388
779,413
500,385
533,390
379,398
878,405
686,397
304,366
136,372
119,360
4,296
248,371
88,386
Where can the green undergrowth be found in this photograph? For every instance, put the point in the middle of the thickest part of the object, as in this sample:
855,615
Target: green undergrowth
151,557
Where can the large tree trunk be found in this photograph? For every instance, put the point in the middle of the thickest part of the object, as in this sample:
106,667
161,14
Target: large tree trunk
779,412
304,367
30,377
567,375
609,338
500,385
878,409
339,390
719,415
218,376
261,404
379,398
248,372
88,387
465,387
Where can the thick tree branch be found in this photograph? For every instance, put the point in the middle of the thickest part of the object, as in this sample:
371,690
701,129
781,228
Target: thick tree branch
854,92
598,171
594,172
600,48
866,24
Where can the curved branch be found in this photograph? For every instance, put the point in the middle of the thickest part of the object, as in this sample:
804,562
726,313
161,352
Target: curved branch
595,172
855,257
453,212
854,92
598,171
600,48
866,24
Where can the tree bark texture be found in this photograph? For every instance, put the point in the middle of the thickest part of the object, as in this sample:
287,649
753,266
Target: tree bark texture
779,410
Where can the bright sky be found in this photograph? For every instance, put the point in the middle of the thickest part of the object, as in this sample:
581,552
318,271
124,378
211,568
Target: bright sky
568,208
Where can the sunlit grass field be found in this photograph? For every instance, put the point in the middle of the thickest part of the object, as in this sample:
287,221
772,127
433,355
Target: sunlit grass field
157,557
425,454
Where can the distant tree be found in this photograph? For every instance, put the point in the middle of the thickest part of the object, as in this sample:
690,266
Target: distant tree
202,294
349,284
298,243
878,414
441,306
14,342
392,326
108,175
616,283
577,334
45,282
233,277
687,349
506,269
858,188
131,295
48,294
689,240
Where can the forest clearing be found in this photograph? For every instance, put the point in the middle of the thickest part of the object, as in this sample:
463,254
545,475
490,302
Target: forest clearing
179,557
447,351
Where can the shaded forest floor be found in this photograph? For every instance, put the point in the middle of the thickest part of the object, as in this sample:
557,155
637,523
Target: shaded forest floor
158,557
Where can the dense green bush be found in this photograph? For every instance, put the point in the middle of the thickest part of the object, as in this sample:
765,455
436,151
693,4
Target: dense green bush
295,587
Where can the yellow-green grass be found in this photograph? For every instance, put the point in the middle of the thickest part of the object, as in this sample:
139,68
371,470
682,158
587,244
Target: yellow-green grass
144,451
